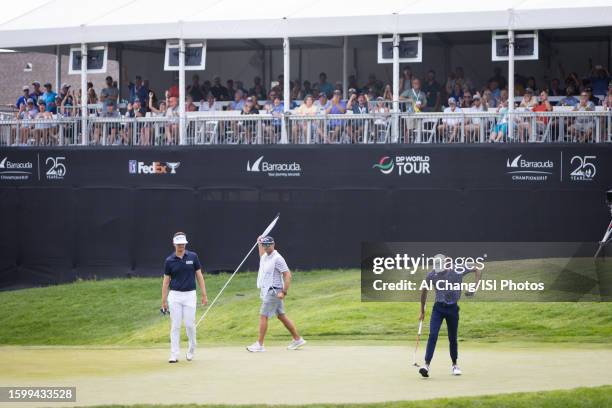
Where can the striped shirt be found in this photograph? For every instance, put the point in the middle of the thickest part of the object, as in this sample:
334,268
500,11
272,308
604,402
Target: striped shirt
270,275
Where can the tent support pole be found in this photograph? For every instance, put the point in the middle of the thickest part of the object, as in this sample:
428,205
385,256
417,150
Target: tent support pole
84,94
510,82
286,90
345,68
182,127
396,74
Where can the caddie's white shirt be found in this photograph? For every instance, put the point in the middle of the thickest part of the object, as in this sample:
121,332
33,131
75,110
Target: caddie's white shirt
271,268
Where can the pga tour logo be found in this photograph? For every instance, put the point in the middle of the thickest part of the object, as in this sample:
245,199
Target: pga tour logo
286,169
156,167
10,170
584,168
522,169
404,165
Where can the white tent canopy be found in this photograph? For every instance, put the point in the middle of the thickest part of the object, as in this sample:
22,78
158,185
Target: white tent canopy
41,23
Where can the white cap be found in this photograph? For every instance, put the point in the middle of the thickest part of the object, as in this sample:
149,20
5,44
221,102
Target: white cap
179,239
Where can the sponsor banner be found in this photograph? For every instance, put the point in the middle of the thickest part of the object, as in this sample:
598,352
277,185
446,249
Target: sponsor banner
376,166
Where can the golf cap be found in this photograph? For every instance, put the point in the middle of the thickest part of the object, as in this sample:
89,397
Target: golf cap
179,239
452,100
323,95
48,85
65,85
438,263
30,100
26,88
476,96
36,83
267,240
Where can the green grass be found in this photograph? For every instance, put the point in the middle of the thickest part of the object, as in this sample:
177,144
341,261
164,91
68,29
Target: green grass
596,397
325,305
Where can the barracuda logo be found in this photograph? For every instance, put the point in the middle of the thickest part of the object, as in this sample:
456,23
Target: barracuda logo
10,170
286,169
525,170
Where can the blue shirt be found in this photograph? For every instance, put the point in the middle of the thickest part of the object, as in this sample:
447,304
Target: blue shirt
22,100
446,296
182,271
49,98
141,93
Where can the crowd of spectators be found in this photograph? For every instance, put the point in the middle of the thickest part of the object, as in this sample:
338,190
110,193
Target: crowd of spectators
457,94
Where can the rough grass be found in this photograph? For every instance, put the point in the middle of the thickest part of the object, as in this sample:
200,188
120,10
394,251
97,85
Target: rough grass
325,304
597,397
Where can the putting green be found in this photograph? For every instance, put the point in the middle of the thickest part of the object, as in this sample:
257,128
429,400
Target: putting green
316,374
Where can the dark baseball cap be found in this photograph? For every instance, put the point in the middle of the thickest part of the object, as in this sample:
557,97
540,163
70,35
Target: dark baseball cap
267,240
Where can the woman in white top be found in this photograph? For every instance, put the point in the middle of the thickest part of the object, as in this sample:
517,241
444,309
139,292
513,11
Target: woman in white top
299,128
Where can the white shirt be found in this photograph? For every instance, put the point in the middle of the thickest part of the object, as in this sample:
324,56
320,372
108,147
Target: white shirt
205,107
452,121
271,268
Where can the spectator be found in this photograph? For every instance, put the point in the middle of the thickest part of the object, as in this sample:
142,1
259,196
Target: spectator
456,91
258,89
500,130
151,101
543,105
323,103
458,77
433,92
92,97
238,101
49,98
592,98
381,123
44,132
296,90
230,88
66,101
308,107
374,84
600,78
607,102
109,96
466,100
555,88
531,83
307,89
405,82
582,129
334,127
358,104
189,105
450,125
414,95
208,105
195,89
218,90
528,101
324,86
37,92
137,90
352,82
240,85
276,110
570,99
498,77
488,101
388,93
206,87
23,99
247,127
494,89
474,124
173,91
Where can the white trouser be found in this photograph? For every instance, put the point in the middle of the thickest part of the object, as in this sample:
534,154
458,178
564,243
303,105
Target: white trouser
182,309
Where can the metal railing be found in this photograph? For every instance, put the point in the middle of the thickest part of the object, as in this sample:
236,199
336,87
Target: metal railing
229,128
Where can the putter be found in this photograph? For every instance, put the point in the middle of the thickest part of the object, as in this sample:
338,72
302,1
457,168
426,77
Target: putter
418,339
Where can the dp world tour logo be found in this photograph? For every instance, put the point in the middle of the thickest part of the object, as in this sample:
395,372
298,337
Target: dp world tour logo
404,164
385,165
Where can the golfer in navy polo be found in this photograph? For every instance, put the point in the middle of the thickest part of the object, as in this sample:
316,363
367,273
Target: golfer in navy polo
179,294
445,308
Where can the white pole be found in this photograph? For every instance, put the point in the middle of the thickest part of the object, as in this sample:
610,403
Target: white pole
510,82
286,90
396,74
58,69
84,94
345,68
182,135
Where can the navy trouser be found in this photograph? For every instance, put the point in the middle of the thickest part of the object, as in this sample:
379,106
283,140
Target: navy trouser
450,313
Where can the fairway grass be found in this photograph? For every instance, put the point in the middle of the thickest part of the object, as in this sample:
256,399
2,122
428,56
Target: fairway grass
325,305
596,397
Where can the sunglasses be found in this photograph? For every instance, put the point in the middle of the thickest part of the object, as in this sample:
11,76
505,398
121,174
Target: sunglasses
267,245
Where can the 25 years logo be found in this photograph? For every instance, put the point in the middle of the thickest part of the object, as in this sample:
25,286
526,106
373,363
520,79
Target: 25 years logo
56,168
584,168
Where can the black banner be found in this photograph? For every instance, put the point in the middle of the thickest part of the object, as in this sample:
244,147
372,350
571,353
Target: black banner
84,212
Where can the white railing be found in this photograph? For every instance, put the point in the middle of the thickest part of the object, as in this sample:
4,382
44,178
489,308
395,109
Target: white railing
230,128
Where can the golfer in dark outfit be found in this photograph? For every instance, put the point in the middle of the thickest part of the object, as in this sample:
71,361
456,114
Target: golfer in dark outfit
445,308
